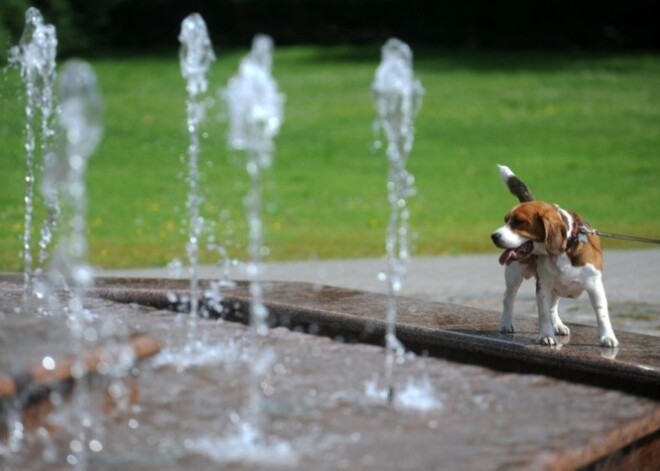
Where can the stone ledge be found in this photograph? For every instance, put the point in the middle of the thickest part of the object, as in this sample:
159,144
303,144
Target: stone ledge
455,332
464,334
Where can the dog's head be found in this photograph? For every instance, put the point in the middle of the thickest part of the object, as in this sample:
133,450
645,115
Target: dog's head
531,228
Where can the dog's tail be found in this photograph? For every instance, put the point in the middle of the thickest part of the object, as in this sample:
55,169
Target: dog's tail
516,187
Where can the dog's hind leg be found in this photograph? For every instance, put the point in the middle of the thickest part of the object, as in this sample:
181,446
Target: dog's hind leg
514,274
557,324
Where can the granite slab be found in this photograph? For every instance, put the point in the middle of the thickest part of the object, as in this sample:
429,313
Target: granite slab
441,329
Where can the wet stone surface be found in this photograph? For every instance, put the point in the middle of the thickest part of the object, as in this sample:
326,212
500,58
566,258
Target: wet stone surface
323,407
472,335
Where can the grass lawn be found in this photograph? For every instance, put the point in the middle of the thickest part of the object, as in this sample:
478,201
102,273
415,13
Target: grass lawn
582,130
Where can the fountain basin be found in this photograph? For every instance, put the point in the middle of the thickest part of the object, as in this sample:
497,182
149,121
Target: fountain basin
317,390
446,330
29,388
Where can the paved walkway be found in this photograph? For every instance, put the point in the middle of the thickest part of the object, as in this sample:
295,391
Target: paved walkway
630,276
632,282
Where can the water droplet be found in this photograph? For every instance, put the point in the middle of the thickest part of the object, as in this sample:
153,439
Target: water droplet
96,446
76,446
48,363
267,388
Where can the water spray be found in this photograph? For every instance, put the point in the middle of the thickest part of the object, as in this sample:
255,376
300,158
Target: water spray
255,111
35,58
398,95
79,132
196,56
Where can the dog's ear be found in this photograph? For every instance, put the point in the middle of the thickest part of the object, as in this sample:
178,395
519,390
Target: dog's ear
555,233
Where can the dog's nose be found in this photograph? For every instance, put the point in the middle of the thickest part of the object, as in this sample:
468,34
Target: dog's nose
495,237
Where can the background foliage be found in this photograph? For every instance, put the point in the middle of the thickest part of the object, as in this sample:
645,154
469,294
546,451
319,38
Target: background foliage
131,25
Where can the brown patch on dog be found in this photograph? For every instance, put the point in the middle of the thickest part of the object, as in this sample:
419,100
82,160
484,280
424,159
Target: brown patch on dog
555,229
540,222
590,251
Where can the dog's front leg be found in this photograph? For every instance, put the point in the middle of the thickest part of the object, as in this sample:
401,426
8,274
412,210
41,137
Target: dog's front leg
599,303
557,325
544,298
513,277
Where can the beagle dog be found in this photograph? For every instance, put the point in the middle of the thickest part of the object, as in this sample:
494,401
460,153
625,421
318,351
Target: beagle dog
561,251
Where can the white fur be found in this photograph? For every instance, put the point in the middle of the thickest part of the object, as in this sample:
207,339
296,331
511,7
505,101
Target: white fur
505,172
557,278
509,239
568,218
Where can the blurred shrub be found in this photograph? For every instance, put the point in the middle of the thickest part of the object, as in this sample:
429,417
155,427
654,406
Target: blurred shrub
585,24
12,19
87,25
82,25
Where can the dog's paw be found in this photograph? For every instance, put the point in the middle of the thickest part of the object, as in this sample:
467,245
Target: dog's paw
507,327
561,329
548,340
609,341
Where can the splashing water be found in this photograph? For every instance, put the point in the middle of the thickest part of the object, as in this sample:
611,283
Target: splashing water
418,395
246,447
255,106
35,57
398,95
80,128
196,55
255,112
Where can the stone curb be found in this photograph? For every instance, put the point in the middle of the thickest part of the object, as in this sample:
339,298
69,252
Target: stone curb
451,331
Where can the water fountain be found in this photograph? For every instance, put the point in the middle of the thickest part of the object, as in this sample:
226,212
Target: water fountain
398,96
196,55
57,296
80,129
312,389
255,109
195,58
35,57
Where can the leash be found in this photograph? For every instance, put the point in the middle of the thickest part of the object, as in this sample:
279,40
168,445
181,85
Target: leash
584,230
626,237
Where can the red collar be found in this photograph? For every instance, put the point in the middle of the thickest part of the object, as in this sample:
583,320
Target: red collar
579,235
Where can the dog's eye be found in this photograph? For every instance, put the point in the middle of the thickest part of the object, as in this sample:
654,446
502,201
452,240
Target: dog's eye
515,222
